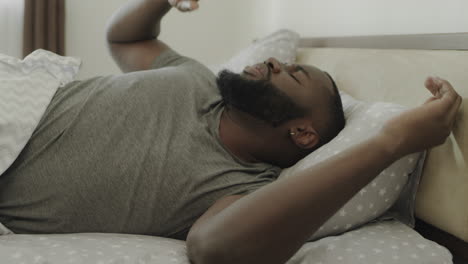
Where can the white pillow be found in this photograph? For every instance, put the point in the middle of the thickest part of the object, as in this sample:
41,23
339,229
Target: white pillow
363,119
281,45
27,86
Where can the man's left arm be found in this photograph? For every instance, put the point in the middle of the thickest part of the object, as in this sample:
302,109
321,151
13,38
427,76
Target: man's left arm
133,31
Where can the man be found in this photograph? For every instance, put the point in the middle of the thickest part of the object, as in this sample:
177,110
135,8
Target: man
168,149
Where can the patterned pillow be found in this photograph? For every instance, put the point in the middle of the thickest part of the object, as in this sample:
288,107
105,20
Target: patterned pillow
27,86
380,242
281,45
363,120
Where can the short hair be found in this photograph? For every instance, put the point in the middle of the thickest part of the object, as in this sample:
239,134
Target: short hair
336,119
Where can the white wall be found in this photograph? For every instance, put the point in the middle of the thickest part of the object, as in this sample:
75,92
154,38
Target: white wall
211,34
370,17
221,27
11,27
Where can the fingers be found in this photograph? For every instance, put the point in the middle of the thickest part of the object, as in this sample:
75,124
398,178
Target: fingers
451,97
184,5
444,92
441,89
431,85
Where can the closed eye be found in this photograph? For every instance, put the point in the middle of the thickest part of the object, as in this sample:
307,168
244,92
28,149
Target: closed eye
294,78
300,68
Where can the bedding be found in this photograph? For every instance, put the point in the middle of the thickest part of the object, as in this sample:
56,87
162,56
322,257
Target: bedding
363,119
376,243
27,86
380,242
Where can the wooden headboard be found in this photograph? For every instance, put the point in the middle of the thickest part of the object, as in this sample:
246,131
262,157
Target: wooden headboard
446,41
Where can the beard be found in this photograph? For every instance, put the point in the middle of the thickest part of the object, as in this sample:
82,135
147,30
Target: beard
258,98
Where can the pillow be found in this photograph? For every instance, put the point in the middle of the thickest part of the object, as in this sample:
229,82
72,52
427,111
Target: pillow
363,120
27,87
281,45
381,242
404,208
91,248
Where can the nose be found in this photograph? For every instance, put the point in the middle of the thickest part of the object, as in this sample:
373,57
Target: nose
274,65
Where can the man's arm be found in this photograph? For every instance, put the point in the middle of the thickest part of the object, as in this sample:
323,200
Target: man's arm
133,31
271,224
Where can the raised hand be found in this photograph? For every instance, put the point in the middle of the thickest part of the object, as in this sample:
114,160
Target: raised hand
184,5
425,126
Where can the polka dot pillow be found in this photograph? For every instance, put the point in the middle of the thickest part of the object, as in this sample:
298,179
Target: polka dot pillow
362,120
91,248
374,243
281,45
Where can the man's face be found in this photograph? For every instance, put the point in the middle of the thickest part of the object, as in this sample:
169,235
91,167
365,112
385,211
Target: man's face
305,84
257,97
276,92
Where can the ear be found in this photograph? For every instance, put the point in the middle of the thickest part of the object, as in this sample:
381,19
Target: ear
304,136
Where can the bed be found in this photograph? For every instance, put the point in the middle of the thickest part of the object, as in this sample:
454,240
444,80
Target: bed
383,61
371,74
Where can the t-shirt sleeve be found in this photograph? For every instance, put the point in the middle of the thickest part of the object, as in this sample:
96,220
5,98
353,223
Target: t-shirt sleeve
170,58
257,182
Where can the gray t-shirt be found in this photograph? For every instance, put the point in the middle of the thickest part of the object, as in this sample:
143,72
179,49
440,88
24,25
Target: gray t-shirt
134,153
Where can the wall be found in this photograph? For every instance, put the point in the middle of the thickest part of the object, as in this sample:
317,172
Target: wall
211,34
370,17
11,27
221,27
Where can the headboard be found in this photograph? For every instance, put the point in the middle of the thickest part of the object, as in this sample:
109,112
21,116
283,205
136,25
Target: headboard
394,68
445,41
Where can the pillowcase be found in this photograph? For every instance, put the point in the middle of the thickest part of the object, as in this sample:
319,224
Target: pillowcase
27,86
381,242
281,44
404,208
92,248
363,120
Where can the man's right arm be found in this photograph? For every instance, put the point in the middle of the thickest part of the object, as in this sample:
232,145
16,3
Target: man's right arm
132,34
271,224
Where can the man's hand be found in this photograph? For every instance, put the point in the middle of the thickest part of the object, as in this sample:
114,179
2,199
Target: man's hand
425,126
184,5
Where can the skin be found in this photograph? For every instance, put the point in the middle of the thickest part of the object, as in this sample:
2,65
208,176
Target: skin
250,139
271,224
